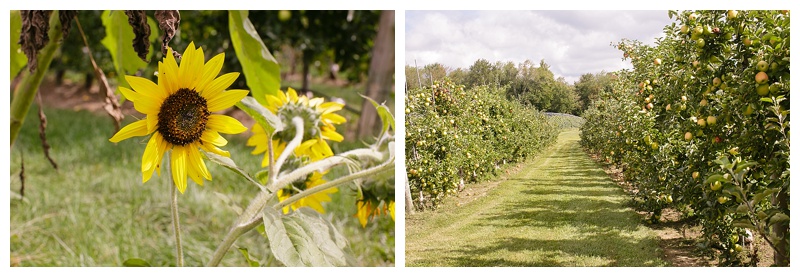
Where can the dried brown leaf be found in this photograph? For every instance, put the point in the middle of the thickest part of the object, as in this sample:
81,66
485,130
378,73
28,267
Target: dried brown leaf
66,20
22,175
43,134
141,43
168,21
33,37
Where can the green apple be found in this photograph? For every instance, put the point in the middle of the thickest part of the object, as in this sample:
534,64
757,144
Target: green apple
762,66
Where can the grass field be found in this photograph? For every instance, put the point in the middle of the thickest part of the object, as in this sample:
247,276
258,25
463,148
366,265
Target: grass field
558,210
95,211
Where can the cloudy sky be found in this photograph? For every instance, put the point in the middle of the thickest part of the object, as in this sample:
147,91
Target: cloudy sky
571,42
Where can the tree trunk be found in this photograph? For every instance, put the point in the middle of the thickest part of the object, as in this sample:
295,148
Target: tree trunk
782,231
381,73
409,201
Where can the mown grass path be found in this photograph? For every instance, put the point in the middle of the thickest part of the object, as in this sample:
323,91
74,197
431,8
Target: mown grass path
561,209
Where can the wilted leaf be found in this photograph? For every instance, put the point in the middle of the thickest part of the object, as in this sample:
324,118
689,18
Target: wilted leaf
743,223
33,36
43,133
18,59
168,22
66,18
258,65
141,43
302,238
119,36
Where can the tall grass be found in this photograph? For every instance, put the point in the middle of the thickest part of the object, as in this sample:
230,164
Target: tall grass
95,211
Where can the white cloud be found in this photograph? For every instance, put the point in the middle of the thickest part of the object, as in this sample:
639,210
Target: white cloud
571,42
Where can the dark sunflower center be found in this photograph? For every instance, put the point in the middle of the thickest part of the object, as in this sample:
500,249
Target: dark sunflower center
183,117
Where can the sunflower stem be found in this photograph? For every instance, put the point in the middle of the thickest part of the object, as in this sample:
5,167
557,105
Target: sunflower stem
389,165
298,138
176,224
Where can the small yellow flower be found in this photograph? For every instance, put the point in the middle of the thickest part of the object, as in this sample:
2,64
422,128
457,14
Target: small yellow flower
313,201
319,117
367,210
179,114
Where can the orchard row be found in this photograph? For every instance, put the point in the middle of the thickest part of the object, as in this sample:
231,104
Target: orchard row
701,125
456,136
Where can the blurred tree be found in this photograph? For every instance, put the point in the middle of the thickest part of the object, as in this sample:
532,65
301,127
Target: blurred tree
589,86
381,74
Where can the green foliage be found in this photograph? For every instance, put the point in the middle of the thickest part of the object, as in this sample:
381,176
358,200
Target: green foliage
18,59
525,83
119,36
693,131
258,65
302,238
589,87
455,135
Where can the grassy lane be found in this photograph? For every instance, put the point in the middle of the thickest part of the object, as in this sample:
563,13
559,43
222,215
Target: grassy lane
559,210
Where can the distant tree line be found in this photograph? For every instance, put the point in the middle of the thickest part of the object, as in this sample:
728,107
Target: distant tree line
528,83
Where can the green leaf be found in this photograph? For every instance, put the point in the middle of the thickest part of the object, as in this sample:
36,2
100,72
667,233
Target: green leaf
258,65
269,121
251,262
383,112
742,223
760,196
778,217
118,40
229,164
743,166
18,59
714,178
135,262
303,238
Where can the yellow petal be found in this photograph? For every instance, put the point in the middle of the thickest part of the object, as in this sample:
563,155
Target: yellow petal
129,94
260,142
213,137
292,95
391,209
210,71
213,149
324,149
196,167
316,101
149,156
146,87
331,134
226,99
219,84
135,129
304,149
152,122
225,124
329,107
333,118
189,68
179,167
273,103
168,73
163,146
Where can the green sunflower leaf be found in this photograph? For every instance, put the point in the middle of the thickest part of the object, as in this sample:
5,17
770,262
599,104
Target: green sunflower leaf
383,112
229,164
260,68
119,35
303,238
135,262
250,261
269,121
18,59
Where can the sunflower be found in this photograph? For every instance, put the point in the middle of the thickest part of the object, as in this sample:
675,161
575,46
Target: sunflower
179,114
313,201
319,118
367,210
